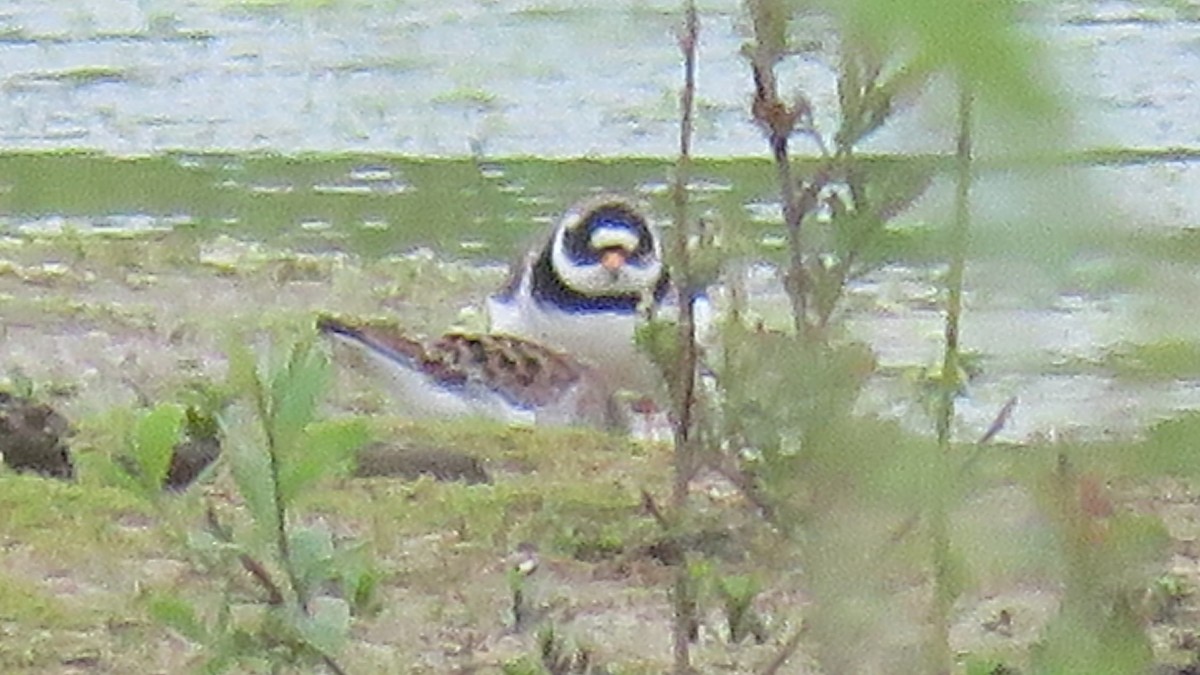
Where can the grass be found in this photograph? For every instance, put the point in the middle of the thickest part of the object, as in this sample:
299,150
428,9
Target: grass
435,540
443,592
574,494
56,518
84,75
1168,359
468,97
1163,361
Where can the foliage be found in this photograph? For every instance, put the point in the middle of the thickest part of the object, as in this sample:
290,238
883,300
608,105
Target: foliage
556,655
737,593
775,414
277,448
778,417
152,444
1169,359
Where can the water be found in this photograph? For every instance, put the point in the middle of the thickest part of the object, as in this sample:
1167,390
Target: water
509,77
292,123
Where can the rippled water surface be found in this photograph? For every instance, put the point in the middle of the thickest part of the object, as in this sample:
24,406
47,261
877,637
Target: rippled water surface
511,77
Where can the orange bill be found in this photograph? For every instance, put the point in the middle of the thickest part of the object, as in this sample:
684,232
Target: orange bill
612,259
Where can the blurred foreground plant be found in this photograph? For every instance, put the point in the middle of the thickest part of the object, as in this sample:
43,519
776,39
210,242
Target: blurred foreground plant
846,482
777,416
276,448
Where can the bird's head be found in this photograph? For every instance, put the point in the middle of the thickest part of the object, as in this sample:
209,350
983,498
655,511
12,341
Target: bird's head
606,247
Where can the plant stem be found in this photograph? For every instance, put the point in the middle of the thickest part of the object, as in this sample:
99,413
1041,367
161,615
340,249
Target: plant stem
255,568
785,652
945,585
281,534
268,413
954,277
773,116
684,390
685,386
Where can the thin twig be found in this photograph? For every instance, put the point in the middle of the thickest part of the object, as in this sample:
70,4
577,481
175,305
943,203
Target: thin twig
999,422
268,415
785,652
724,465
332,665
945,591
650,506
778,123
685,374
997,425
954,276
263,577
254,567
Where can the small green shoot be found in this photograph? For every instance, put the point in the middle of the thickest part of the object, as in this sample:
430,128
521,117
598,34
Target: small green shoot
737,593
154,438
278,449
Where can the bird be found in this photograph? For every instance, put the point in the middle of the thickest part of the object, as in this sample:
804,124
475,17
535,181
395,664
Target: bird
500,377
582,289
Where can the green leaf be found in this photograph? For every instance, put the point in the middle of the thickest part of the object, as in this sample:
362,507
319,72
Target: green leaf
207,544
296,388
739,587
327,625
311,551
243,373
251,466
177,614
659,339
326,448
978,41
154,443
354,568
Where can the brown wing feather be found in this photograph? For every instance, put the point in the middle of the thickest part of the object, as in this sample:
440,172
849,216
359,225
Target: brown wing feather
523,371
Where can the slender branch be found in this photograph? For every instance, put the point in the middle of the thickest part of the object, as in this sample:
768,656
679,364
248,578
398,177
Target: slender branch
266,414
685,373
725,466
650,506
269,414
684,393
945,591
954,277
255,568
260,573
281,535
778,122
785,652
1001,418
